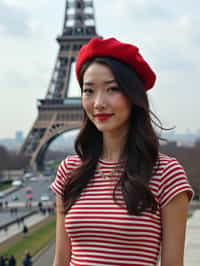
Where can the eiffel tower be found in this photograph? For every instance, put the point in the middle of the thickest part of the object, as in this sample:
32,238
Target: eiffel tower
60,110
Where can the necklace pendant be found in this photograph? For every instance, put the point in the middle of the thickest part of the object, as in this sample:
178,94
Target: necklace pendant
107,176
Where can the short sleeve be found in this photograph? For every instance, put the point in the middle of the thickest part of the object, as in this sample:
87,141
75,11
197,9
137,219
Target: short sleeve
62,177
173,182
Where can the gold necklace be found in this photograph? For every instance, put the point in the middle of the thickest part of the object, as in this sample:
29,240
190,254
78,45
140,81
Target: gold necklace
111,173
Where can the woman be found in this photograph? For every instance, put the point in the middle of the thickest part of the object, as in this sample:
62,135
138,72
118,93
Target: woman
119,201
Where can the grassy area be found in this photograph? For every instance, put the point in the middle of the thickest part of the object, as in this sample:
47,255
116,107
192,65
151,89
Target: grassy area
36,240
4,186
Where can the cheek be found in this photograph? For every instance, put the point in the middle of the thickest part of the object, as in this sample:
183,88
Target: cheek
122,102
86,105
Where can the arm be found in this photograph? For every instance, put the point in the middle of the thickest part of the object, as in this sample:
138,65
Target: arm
63,246
174,218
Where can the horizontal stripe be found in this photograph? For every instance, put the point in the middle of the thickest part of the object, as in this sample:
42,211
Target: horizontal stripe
108,236
106,241
101,230
133,260
118,248
109,253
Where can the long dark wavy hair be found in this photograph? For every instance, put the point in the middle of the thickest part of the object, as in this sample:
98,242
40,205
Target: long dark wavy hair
141,147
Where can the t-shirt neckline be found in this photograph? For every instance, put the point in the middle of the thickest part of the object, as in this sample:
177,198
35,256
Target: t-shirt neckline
106,162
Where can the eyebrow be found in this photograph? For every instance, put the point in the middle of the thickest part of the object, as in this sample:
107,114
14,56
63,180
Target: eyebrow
89,83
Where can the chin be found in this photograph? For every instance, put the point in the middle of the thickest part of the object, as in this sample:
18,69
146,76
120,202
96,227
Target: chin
104,129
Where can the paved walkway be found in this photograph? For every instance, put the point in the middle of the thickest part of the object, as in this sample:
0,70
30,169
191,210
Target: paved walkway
192,250
46,257
15,228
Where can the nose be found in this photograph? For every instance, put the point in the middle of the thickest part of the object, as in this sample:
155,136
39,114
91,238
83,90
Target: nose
99,101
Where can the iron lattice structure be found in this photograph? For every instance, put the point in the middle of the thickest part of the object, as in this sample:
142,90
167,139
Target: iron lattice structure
59,112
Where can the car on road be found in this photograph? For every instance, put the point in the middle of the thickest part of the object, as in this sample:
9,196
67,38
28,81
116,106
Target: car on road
29,196
27,175
1,195
15,197
17,183
33,179
44,197
29,193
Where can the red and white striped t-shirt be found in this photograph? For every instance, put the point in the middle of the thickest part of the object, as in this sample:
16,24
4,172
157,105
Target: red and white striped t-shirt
101,231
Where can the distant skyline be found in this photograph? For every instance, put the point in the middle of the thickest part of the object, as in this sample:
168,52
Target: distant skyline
167,34
65,142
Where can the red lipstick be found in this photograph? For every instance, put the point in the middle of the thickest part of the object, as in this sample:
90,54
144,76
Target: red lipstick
103,116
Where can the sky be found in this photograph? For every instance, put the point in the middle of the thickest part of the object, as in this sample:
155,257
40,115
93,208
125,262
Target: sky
167,33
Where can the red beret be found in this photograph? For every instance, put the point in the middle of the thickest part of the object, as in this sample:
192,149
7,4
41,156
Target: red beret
124,52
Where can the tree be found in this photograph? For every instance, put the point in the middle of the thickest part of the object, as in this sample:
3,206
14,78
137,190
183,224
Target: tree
11,160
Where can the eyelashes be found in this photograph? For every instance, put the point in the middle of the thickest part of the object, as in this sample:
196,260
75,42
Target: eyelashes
90,91
113,89
87,91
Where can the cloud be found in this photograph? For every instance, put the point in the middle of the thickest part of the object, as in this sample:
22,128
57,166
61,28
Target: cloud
145,11
166,32
26,4
14,21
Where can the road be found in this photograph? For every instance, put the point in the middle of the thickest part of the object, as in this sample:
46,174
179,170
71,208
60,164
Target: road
39,186
46,257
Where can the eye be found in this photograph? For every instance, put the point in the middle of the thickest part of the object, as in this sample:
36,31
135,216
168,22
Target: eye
87,91
114,88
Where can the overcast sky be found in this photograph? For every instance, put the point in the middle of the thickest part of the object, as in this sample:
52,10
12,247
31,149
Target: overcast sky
167,33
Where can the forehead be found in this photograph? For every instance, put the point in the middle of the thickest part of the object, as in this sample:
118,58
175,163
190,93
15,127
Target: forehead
97,72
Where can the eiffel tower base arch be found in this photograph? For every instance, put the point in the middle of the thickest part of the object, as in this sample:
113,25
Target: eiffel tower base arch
44,132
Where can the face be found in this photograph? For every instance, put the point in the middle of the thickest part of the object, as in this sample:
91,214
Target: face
104,103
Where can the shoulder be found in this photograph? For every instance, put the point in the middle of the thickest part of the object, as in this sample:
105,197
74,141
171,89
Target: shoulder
64,172
163,161
68,164
167,168
170,179
165,164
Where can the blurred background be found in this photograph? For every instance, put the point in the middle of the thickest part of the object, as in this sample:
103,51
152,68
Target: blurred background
168,36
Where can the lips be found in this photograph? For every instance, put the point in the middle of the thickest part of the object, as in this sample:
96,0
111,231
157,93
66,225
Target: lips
103,116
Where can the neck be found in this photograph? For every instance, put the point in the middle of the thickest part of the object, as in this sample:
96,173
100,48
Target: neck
113,147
